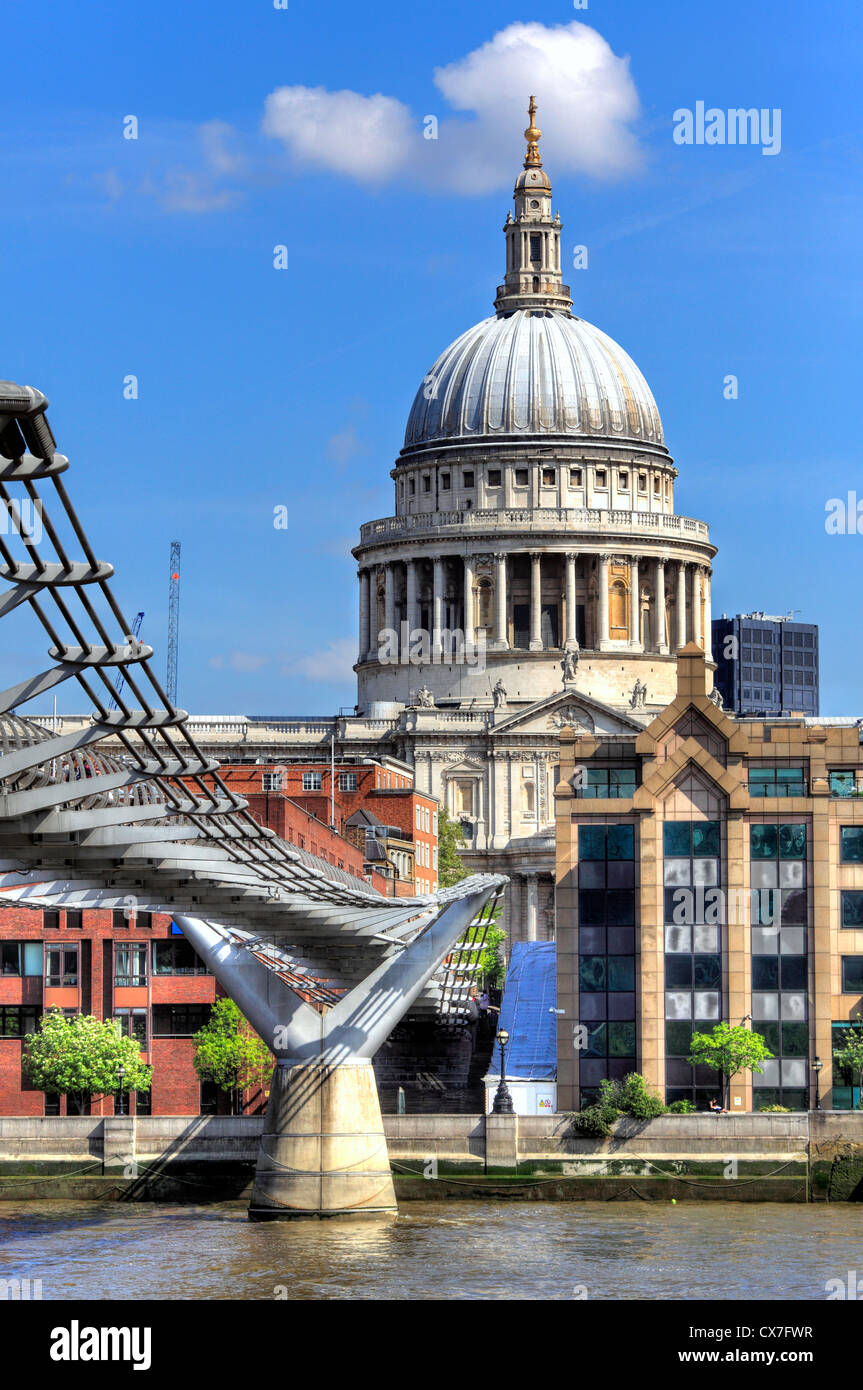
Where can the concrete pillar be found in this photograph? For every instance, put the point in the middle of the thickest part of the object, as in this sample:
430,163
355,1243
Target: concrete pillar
437,606
469,626
373,615
501,1141
681,604
413,608
570,596
634,604
603,602
118,1142
500,633
696,605
364,615
660,640
535,601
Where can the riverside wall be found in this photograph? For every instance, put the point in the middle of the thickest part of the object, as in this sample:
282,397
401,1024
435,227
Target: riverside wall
798,1157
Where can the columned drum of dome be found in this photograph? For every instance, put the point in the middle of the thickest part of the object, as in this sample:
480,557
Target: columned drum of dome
534,511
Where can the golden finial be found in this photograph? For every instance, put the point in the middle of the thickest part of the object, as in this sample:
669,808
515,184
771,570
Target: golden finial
532,135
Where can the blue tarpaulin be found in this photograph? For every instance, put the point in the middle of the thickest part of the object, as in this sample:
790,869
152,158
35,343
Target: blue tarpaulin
529,995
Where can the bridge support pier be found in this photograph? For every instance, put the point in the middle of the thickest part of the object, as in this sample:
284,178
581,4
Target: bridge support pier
323,1151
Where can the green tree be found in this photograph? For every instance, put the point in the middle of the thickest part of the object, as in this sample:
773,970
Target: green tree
450,838
728,1049
850,1057
78,1058
229,1053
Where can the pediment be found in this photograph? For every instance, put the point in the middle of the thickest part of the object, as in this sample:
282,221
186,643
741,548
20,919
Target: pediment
566,709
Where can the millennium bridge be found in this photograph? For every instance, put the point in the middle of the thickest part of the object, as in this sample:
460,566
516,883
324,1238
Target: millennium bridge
321,965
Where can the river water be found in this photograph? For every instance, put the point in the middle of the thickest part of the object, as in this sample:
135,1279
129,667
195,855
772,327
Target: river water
434,1250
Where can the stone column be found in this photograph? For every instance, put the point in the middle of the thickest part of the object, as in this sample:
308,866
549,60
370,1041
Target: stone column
500,636
373,615
469,633
437,606
708,620
660,640
570,596
364,615
603,602
681,604
413,610
634,604
532,906
389,597
535,601
696,604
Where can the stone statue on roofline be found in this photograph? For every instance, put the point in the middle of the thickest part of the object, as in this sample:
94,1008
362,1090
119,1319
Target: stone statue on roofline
569,664
425,699
638,696
499,695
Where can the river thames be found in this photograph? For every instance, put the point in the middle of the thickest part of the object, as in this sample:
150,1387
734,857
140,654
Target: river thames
435,1250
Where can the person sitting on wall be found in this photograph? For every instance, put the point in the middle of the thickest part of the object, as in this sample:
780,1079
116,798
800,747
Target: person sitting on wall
717,1108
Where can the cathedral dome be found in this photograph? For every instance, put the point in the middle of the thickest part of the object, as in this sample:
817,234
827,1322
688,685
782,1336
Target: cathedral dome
534,372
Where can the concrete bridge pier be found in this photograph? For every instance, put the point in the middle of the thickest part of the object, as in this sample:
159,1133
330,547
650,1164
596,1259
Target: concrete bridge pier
323,1152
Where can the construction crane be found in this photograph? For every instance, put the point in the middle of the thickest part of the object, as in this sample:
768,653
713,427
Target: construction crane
121,679
173,622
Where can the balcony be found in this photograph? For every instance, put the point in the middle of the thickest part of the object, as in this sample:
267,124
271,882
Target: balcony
531,520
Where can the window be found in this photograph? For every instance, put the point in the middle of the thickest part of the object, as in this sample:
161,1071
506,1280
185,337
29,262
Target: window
10,957
417,817
841,783
642,482
51,919
657,484
852,974
851,844
17,1020
692,871
347,781
271,781
549,477
61,966
426,482
312,781
528,800
607,782
467,477
776,781
130,963
535,246
444,482
575,477
132,1023
176,957
521,477
412,486
852,908
623,481
179,1020
463,798
144,920
601,477
120,918
74,920
606,943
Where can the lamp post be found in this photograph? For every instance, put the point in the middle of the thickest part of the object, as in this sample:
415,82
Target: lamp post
502,1098
121,1072
816,1067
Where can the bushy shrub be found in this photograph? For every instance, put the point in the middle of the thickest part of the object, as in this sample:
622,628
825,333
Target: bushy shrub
774,1109
681,1107
634,1099
616,1098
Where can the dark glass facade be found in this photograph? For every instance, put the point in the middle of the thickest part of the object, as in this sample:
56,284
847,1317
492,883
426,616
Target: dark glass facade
766,666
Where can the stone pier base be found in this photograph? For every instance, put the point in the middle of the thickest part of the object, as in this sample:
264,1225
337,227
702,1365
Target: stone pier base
323,1150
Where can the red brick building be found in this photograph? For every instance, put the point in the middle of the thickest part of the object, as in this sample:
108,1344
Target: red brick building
138,970
386,790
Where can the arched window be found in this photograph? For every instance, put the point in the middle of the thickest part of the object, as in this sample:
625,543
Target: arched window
618,609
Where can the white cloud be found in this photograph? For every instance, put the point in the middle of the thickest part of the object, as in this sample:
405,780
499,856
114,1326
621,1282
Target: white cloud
333,665
239,661
587,103
345,446
369,138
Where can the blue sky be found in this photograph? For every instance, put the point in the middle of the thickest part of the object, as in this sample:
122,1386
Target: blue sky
261,387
